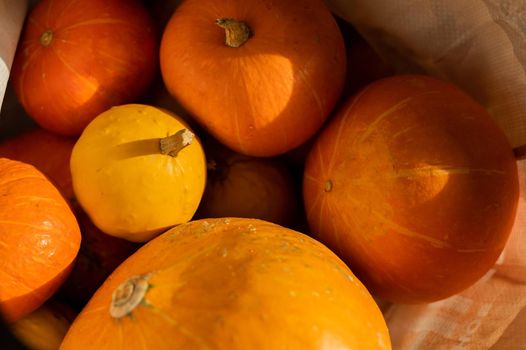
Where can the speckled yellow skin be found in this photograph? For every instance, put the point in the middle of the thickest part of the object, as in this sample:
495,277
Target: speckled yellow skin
127,187
234,284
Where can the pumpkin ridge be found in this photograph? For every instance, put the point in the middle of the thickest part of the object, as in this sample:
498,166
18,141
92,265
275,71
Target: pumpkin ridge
301,73
393,109
73,70
61,14
94,21
101,52
342,123
185,331
48,14
31,21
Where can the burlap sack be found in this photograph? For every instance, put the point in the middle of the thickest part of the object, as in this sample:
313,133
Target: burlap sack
480,45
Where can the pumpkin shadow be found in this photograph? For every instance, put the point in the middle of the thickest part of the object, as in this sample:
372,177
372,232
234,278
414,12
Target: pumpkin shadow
137,148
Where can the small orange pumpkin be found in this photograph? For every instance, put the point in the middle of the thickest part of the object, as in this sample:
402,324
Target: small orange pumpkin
78,58
261,76
248,187
39,239
414,186
230,284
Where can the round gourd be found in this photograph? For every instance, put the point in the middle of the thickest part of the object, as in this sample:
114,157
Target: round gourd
414,186
230,284
138,170
77,58
248,187
44,328
260,76
39,239
47,152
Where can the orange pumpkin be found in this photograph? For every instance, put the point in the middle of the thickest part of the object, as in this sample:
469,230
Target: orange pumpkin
46,151
248,187
39,239
99,253
78,58
260,76
44,328
230,284
414,186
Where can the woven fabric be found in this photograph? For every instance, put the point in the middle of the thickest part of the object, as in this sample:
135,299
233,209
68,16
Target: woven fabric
480,45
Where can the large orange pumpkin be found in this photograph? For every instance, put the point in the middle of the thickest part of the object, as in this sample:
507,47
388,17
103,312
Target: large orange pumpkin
248,187
414,186
46,151
261,76
78,58
39,239
230,284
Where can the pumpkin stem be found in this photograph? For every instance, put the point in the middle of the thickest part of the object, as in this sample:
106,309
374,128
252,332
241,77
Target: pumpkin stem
128,295
236,32
172,144
328,186
46,38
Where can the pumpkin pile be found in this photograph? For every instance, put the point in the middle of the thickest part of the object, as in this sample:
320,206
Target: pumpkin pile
235,176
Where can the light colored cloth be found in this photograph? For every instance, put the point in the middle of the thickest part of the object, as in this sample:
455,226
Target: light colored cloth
480,45
12,13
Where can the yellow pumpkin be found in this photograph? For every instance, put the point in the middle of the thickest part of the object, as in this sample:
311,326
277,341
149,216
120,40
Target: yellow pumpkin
44,328
138,170
231,284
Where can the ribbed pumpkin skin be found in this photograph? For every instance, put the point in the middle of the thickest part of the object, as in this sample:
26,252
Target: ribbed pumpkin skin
48,152
234,284
39,239
102,53
270,94
414,186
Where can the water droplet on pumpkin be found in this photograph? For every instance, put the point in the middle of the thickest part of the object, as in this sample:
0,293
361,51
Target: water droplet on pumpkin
226,221
224,252
251,228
